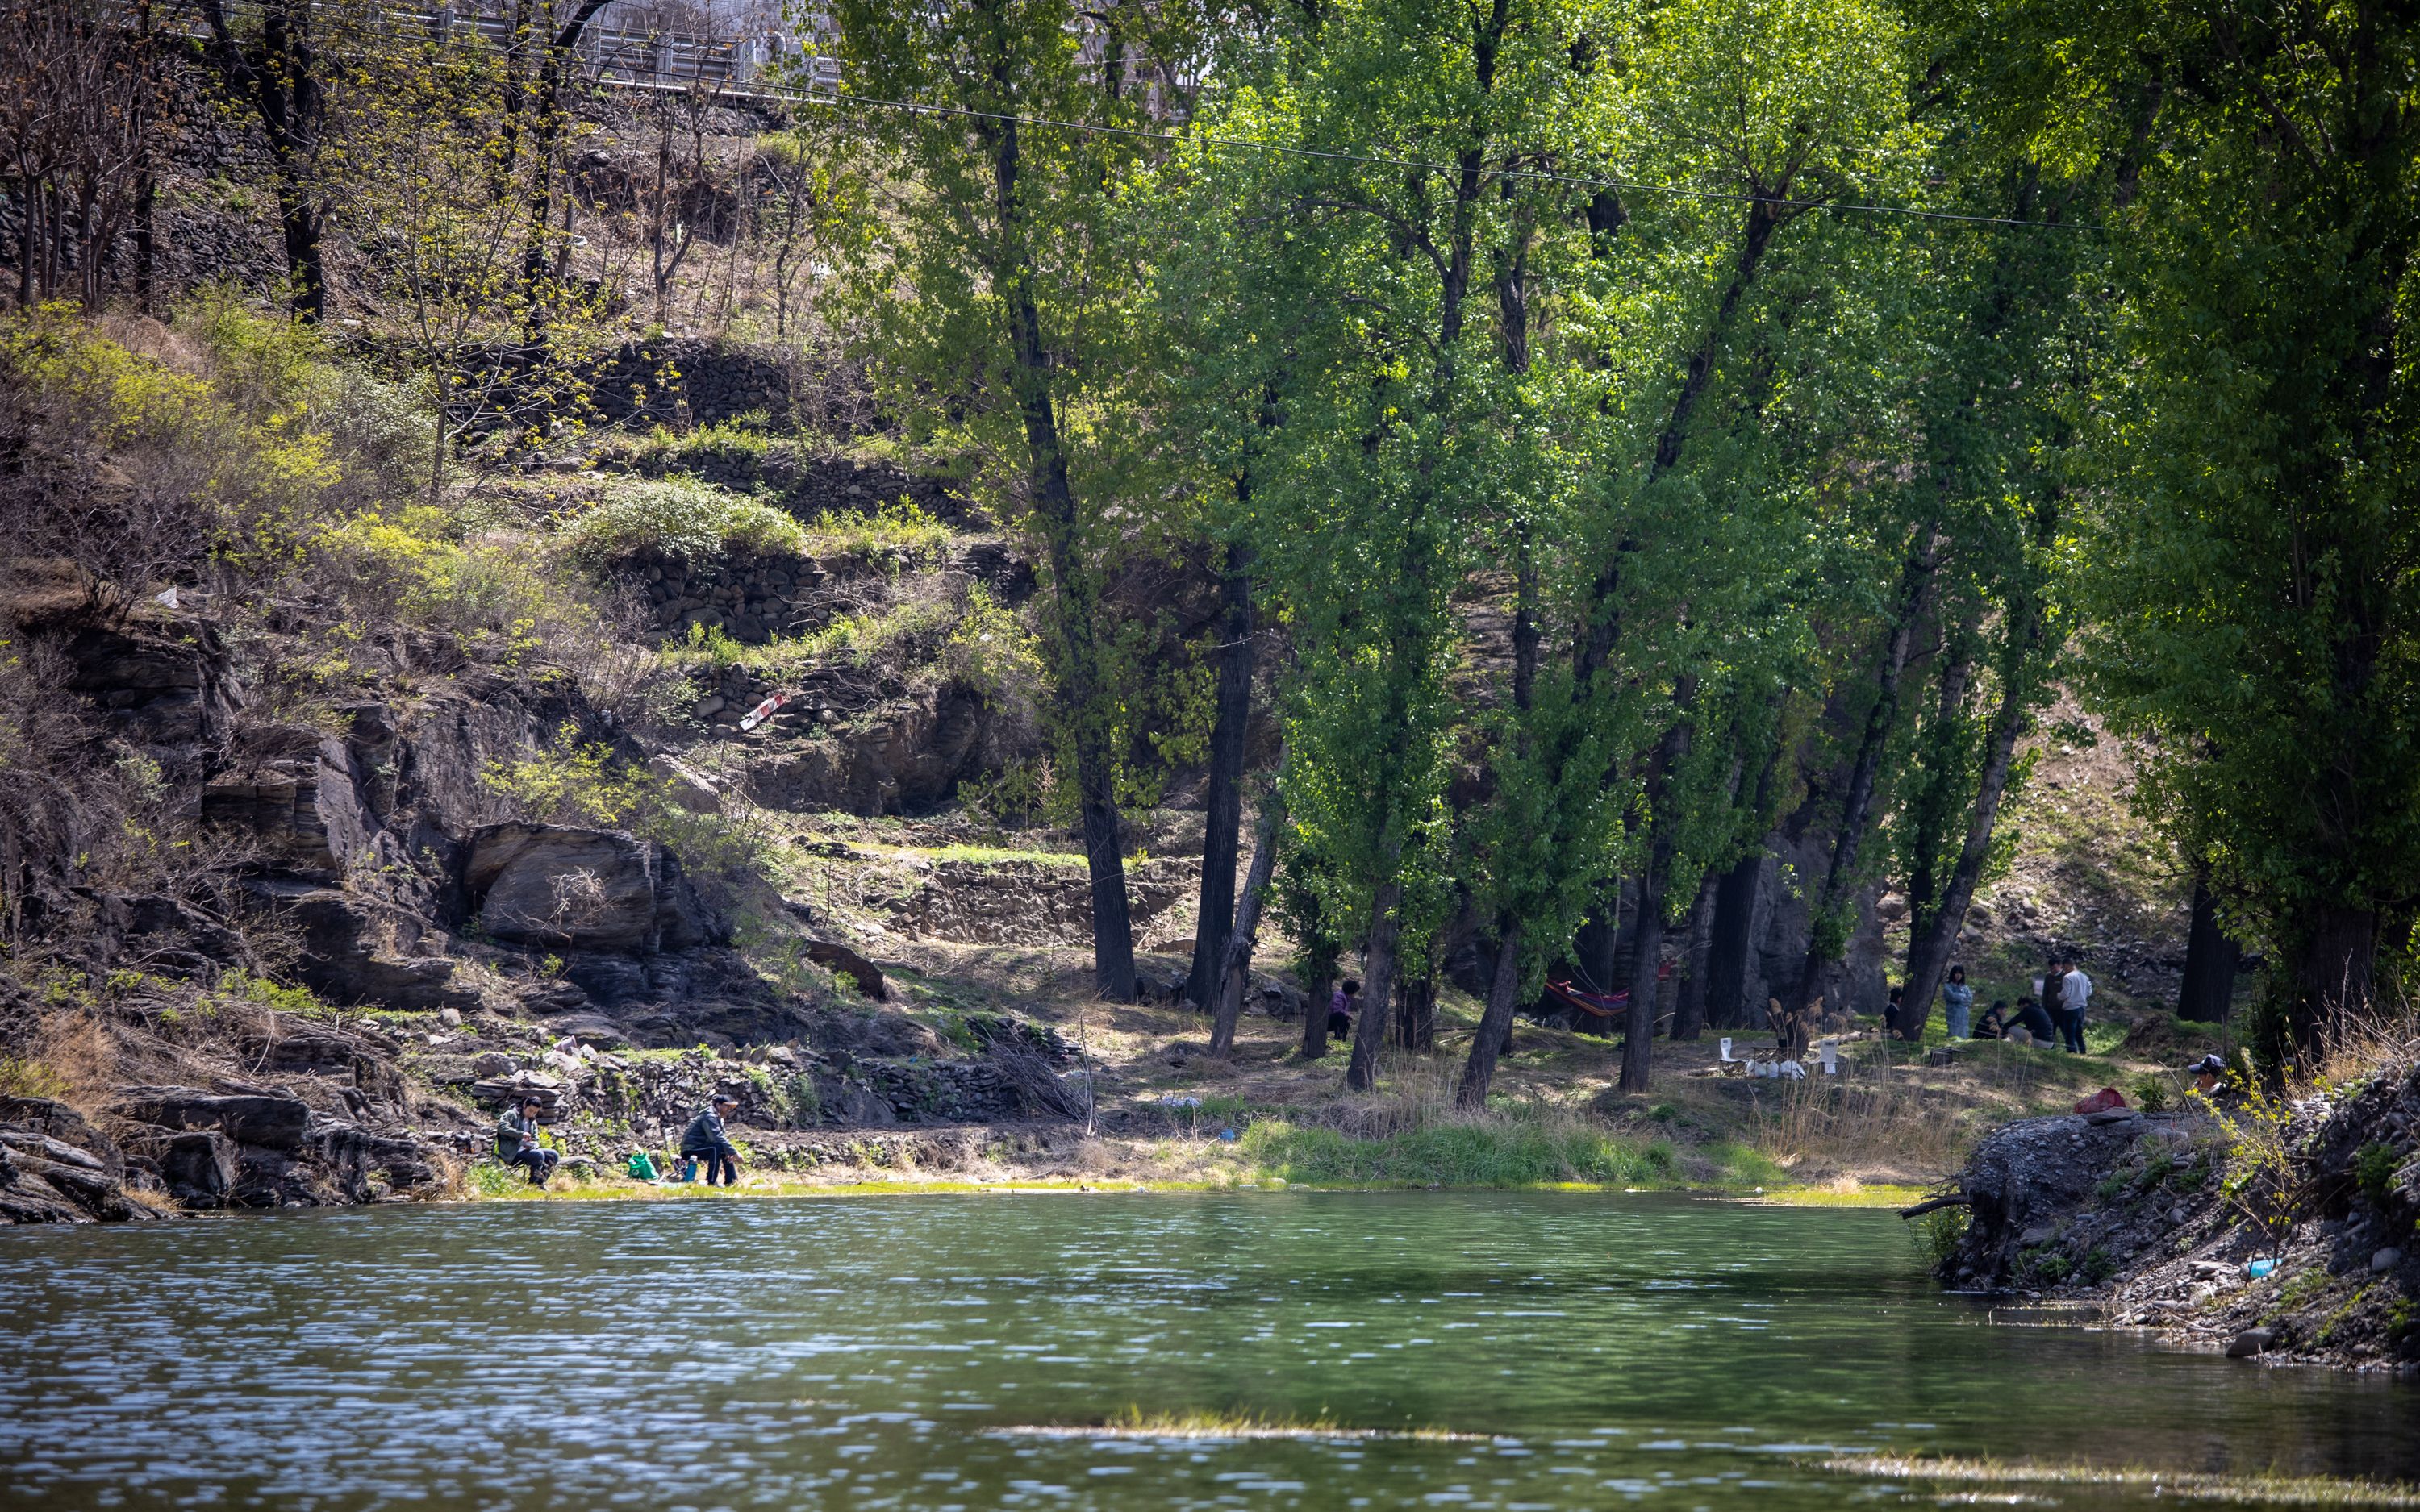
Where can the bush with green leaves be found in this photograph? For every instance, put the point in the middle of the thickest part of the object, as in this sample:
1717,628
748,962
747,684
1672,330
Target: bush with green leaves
2374,1167
678,517
584,782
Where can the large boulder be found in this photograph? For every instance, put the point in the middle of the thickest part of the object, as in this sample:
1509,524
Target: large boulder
198,1167
165,688
56,1120
267,1119
304,811
358,949
587,889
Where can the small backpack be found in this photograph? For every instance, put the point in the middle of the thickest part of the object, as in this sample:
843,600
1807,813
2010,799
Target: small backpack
641,1169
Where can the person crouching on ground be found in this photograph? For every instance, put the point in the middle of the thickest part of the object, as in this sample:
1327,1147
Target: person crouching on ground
2028,1016
2209,1073
704,1140
517,1141
1340,1009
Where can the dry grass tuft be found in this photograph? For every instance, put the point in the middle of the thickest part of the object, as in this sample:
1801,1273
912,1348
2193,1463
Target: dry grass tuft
2307,1491
1206,1424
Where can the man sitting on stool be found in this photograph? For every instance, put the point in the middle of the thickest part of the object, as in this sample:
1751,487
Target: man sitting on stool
704,1140
517,1141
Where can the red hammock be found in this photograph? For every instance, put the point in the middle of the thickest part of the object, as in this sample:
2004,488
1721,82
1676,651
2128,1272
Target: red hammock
1603,1006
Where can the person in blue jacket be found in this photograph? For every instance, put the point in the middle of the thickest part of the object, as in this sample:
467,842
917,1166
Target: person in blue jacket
1958,1004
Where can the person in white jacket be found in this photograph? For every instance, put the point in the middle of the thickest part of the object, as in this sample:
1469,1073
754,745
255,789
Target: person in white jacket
2072,990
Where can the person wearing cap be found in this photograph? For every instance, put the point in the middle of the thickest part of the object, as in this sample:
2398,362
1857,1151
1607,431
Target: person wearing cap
517,1140
705,1139
2207,1073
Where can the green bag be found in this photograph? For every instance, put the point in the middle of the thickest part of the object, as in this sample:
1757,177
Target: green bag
641,1169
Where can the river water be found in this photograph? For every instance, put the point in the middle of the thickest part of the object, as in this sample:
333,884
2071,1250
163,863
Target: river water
898,1353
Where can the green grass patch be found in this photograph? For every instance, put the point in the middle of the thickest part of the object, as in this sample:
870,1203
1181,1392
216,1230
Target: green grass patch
1458,1154
898,529
1824,1196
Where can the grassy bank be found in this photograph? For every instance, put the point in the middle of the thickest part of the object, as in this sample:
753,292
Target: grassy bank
1531,1149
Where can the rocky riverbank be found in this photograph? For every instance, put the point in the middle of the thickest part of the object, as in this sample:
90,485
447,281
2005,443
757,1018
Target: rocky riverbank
2283,1229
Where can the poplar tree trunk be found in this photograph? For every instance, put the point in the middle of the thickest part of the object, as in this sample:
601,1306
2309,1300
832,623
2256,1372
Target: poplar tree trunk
1053,499
2210,960
1856,809
1223,813
1928,954
1235,953
1663,846
1689,1003
1732,938
2336,969
1496,1023
1319,974
1415,1017
1931,818
1377,985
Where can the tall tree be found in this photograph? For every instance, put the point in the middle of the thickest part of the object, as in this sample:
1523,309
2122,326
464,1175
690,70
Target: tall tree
1223,809
2251,609
996,296
280,72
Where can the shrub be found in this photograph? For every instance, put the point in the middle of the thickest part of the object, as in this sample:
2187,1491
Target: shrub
25,1076
583,782
413,563
899,528
380,433
992,651
2374,1168
2150,1092
153,470
678,517
1936,1234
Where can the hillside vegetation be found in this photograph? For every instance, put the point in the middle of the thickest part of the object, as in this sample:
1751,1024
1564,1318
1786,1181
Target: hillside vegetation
968,607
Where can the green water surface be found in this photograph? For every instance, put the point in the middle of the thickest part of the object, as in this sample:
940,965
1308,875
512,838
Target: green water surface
891,1352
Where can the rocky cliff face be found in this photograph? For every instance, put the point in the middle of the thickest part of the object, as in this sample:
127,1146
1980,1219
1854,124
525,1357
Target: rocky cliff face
460,954
2263,1228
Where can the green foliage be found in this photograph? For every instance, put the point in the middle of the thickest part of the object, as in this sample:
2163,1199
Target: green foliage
2152,1091
1936,1235
2252,459
899,531
29,1076
2259,1180
584,782
1512,1154
299,1000
491,595
211,481
681,517
2374,1168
